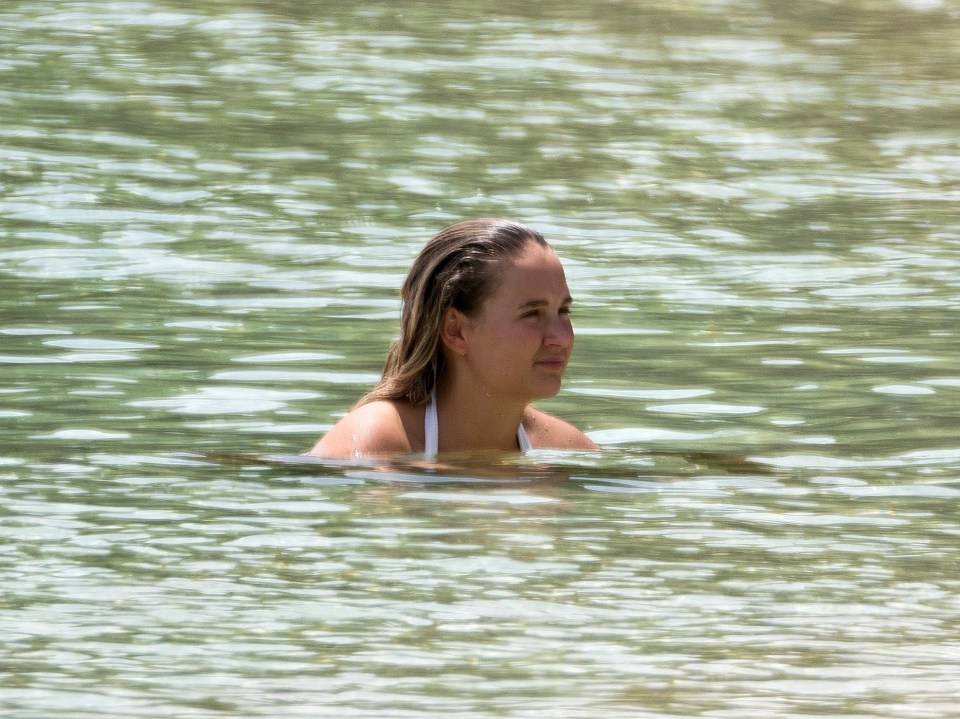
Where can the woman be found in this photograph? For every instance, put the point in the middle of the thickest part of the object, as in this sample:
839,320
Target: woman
485,329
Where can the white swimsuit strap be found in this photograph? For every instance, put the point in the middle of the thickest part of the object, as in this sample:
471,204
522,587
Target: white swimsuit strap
522,440
431,430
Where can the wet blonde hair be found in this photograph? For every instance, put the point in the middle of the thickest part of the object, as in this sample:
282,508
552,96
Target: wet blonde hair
457,268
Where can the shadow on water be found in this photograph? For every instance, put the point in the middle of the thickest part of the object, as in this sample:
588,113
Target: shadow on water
494,468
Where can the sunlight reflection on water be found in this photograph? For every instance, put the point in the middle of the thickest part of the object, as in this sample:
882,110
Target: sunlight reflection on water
205,214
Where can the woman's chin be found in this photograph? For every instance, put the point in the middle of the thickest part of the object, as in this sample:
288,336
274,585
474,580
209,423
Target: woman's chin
548,388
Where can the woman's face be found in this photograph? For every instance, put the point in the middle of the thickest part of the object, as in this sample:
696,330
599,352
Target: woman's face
520,342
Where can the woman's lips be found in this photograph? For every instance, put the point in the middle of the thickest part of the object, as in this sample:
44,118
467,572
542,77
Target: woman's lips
556,364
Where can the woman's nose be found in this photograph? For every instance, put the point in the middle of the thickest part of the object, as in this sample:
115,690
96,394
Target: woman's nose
560,332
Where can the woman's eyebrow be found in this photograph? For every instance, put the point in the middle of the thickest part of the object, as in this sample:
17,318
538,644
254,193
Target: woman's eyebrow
542,302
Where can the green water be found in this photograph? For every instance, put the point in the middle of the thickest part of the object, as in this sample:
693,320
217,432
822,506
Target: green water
206,210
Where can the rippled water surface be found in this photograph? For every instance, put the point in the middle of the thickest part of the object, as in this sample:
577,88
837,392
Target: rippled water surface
206,210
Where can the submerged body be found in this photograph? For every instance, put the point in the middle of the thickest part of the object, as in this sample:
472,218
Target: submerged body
492,357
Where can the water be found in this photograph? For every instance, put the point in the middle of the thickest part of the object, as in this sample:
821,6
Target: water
205,214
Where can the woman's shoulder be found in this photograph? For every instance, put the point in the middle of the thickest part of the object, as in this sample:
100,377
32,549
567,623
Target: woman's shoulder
370,429
548,432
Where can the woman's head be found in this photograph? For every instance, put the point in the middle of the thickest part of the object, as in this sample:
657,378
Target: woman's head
457,268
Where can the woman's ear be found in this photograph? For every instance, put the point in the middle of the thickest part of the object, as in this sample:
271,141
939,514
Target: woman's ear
452,327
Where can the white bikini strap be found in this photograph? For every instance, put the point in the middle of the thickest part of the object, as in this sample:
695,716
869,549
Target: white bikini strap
431,429
523,441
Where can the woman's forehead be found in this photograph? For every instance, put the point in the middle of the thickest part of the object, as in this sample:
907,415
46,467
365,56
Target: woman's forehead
536,270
